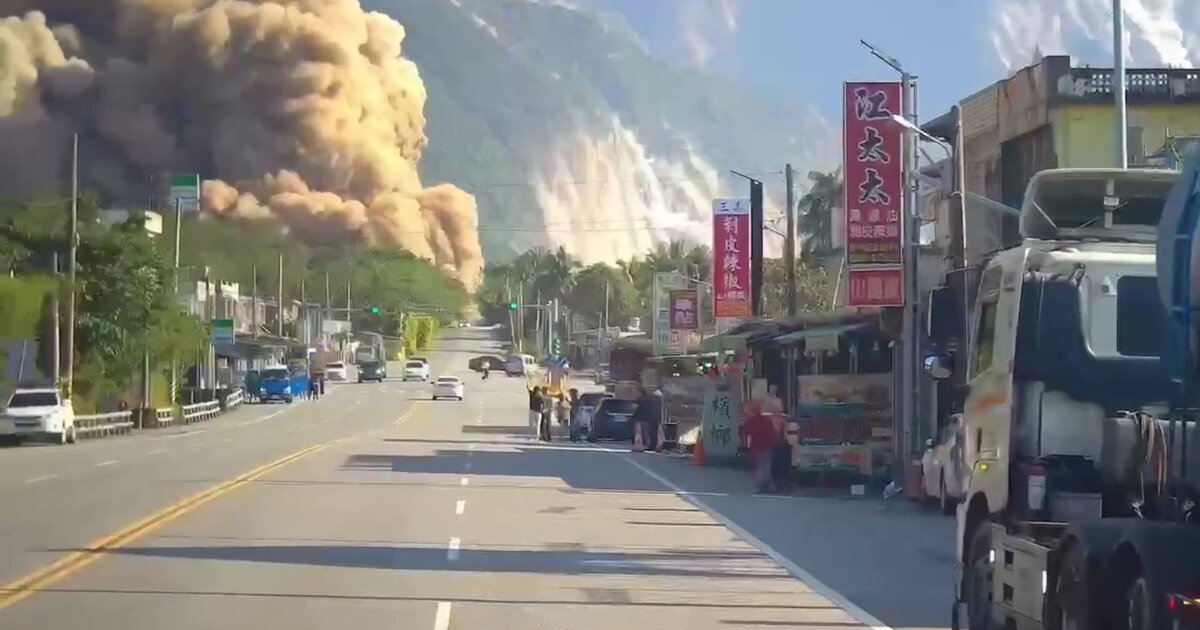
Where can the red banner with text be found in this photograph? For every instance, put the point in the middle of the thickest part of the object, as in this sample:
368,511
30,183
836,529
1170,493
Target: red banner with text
731,257
873,168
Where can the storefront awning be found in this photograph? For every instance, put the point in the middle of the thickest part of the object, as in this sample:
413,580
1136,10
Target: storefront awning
822,331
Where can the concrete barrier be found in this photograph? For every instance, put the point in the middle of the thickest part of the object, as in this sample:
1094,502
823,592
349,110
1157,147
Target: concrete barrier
103,425
233,400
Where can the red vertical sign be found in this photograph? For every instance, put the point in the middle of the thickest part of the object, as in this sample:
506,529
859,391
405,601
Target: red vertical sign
731,257
873,157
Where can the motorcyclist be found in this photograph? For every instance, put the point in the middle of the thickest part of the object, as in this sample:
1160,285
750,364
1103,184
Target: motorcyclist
485,371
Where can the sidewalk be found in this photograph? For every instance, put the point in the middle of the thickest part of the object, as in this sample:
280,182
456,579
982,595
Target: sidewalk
893,559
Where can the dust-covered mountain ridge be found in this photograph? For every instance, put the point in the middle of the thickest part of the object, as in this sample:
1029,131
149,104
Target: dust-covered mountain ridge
568,132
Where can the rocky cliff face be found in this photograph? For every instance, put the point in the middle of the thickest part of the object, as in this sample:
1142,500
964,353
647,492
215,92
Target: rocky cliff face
569,132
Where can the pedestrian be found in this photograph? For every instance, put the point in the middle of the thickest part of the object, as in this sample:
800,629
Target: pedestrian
781,459
643,418
314,387
535,407
547,411
573,428
760,433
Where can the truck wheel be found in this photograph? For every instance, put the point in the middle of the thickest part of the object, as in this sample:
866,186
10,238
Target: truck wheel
948,504
978,579
71,436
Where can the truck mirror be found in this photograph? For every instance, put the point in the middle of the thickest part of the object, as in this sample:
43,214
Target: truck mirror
939,366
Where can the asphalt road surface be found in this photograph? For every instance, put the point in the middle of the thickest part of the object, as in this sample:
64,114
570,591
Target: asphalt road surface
379,508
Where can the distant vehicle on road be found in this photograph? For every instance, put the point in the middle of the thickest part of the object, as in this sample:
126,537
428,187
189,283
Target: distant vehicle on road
372,371
494,363
275,384
520,365
416,370
38,414
335,371
448,387
612,420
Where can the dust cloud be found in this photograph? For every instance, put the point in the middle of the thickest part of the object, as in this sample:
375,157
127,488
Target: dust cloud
299,110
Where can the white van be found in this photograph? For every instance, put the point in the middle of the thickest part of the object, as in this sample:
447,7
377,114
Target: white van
520,365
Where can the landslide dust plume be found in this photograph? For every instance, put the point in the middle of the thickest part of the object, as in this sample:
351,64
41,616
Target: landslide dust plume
302,110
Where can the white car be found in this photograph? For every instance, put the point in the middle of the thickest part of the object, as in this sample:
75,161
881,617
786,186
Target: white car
448,387
38,414
335,371
415,370
941,474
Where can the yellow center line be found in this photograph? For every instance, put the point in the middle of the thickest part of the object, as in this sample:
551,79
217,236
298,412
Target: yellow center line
407,414
40,579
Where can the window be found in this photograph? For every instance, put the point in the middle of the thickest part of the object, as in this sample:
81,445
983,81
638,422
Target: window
280,374
1141,317
985,339
33,399
414,364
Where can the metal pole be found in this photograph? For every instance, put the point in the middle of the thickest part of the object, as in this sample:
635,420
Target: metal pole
1118,85
72,248
254,298
174,384
789,253
907,380
958,218
56,340
279,297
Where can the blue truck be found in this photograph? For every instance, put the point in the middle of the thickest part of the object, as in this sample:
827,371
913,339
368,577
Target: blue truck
281,382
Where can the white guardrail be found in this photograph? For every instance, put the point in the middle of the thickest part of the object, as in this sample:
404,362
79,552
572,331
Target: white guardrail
200,411
103,424
164,416
234,400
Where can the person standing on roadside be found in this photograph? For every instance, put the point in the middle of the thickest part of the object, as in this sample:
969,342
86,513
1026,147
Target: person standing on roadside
535,407
545,417
760,431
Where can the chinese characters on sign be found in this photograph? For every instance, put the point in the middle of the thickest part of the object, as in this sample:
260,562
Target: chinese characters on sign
873,152
731,257
878,286
684,308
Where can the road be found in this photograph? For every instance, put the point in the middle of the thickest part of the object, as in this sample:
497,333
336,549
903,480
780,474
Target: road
379,508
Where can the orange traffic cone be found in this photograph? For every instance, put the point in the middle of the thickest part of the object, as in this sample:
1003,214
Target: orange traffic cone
698,453
639,444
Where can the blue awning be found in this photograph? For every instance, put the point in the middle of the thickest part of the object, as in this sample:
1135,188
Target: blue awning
823,331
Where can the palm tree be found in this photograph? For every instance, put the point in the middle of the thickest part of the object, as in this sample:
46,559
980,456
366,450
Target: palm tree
816,213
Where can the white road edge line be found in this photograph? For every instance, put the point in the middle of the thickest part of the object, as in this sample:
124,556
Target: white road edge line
441,621
157,451
464,481
41,478
107,463
459,507
452,549
266,417
820,587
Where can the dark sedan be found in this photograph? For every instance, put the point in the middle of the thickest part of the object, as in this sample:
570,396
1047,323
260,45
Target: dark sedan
373,371
612,420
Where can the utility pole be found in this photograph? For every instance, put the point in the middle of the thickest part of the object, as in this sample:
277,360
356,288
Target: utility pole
958,214
521,316
72,248
789,245
56,340
1118,85
279,297
906,421
756,243
254,298
174,385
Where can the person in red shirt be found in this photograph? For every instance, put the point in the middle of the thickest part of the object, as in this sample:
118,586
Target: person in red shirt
762,435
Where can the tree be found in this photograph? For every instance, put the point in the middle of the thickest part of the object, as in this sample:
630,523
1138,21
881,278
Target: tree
814,288
816,209
590,287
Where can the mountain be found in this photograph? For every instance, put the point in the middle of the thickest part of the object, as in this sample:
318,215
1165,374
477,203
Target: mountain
570,132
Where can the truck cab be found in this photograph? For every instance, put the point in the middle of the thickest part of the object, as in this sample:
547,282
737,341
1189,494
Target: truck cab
1064,395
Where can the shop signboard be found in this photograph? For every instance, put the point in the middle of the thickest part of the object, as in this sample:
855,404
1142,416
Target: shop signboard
731,258
719,423
873,167
684,309
184,193
664,283
222,333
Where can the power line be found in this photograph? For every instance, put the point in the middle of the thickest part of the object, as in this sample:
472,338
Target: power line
594,182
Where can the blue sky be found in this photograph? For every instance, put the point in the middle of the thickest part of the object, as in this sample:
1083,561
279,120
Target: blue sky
807,48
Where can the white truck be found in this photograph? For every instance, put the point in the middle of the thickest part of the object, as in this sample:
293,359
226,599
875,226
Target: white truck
1078,503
